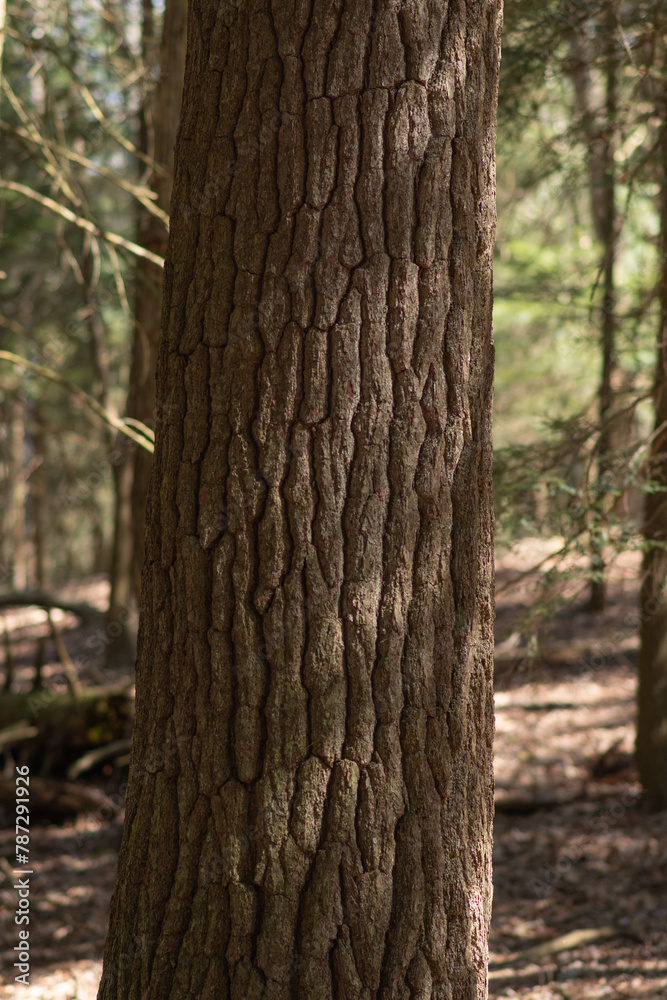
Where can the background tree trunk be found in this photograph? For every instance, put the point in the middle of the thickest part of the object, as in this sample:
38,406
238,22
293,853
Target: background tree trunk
121,627
311,783
652,698
18,490
39,498
604,215
152,234
598,126
121,647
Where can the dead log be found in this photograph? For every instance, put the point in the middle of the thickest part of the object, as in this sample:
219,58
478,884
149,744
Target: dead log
88,614
21,733
67,725
526,804
96,756
580,938
56,800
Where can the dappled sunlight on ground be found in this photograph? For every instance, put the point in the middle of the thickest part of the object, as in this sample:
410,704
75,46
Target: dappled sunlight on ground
74,981
573,853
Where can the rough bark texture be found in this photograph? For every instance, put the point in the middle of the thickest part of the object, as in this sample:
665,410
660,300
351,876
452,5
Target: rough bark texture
652,698
153,235
311,782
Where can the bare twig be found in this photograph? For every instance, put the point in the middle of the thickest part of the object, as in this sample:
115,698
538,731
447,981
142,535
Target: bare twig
143,194
573,939
43,45
96,756
82,223
145,438
21,732
71,676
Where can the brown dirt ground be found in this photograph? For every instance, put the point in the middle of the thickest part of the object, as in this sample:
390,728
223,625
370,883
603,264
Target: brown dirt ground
588,858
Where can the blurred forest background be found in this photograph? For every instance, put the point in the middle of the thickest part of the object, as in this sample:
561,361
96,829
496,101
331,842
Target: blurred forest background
88,113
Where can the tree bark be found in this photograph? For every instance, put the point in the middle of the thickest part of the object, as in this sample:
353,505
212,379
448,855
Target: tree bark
153,235
311,787
652,695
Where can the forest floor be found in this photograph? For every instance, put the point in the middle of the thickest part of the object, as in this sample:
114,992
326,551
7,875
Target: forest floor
573,853
589,860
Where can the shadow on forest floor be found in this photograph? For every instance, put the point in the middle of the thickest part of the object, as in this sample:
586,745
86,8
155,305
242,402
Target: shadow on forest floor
588,859
573,852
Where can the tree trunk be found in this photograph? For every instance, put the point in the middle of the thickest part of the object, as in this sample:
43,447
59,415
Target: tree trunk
17,491
311,785
121,647
598,127
604,212
42,575
121,615
153,235
132,469
652,696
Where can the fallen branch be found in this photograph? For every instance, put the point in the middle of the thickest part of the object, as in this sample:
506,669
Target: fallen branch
69,670
524,805
146,436
94,757
19,733
568,942
66,727
53,799
88,614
